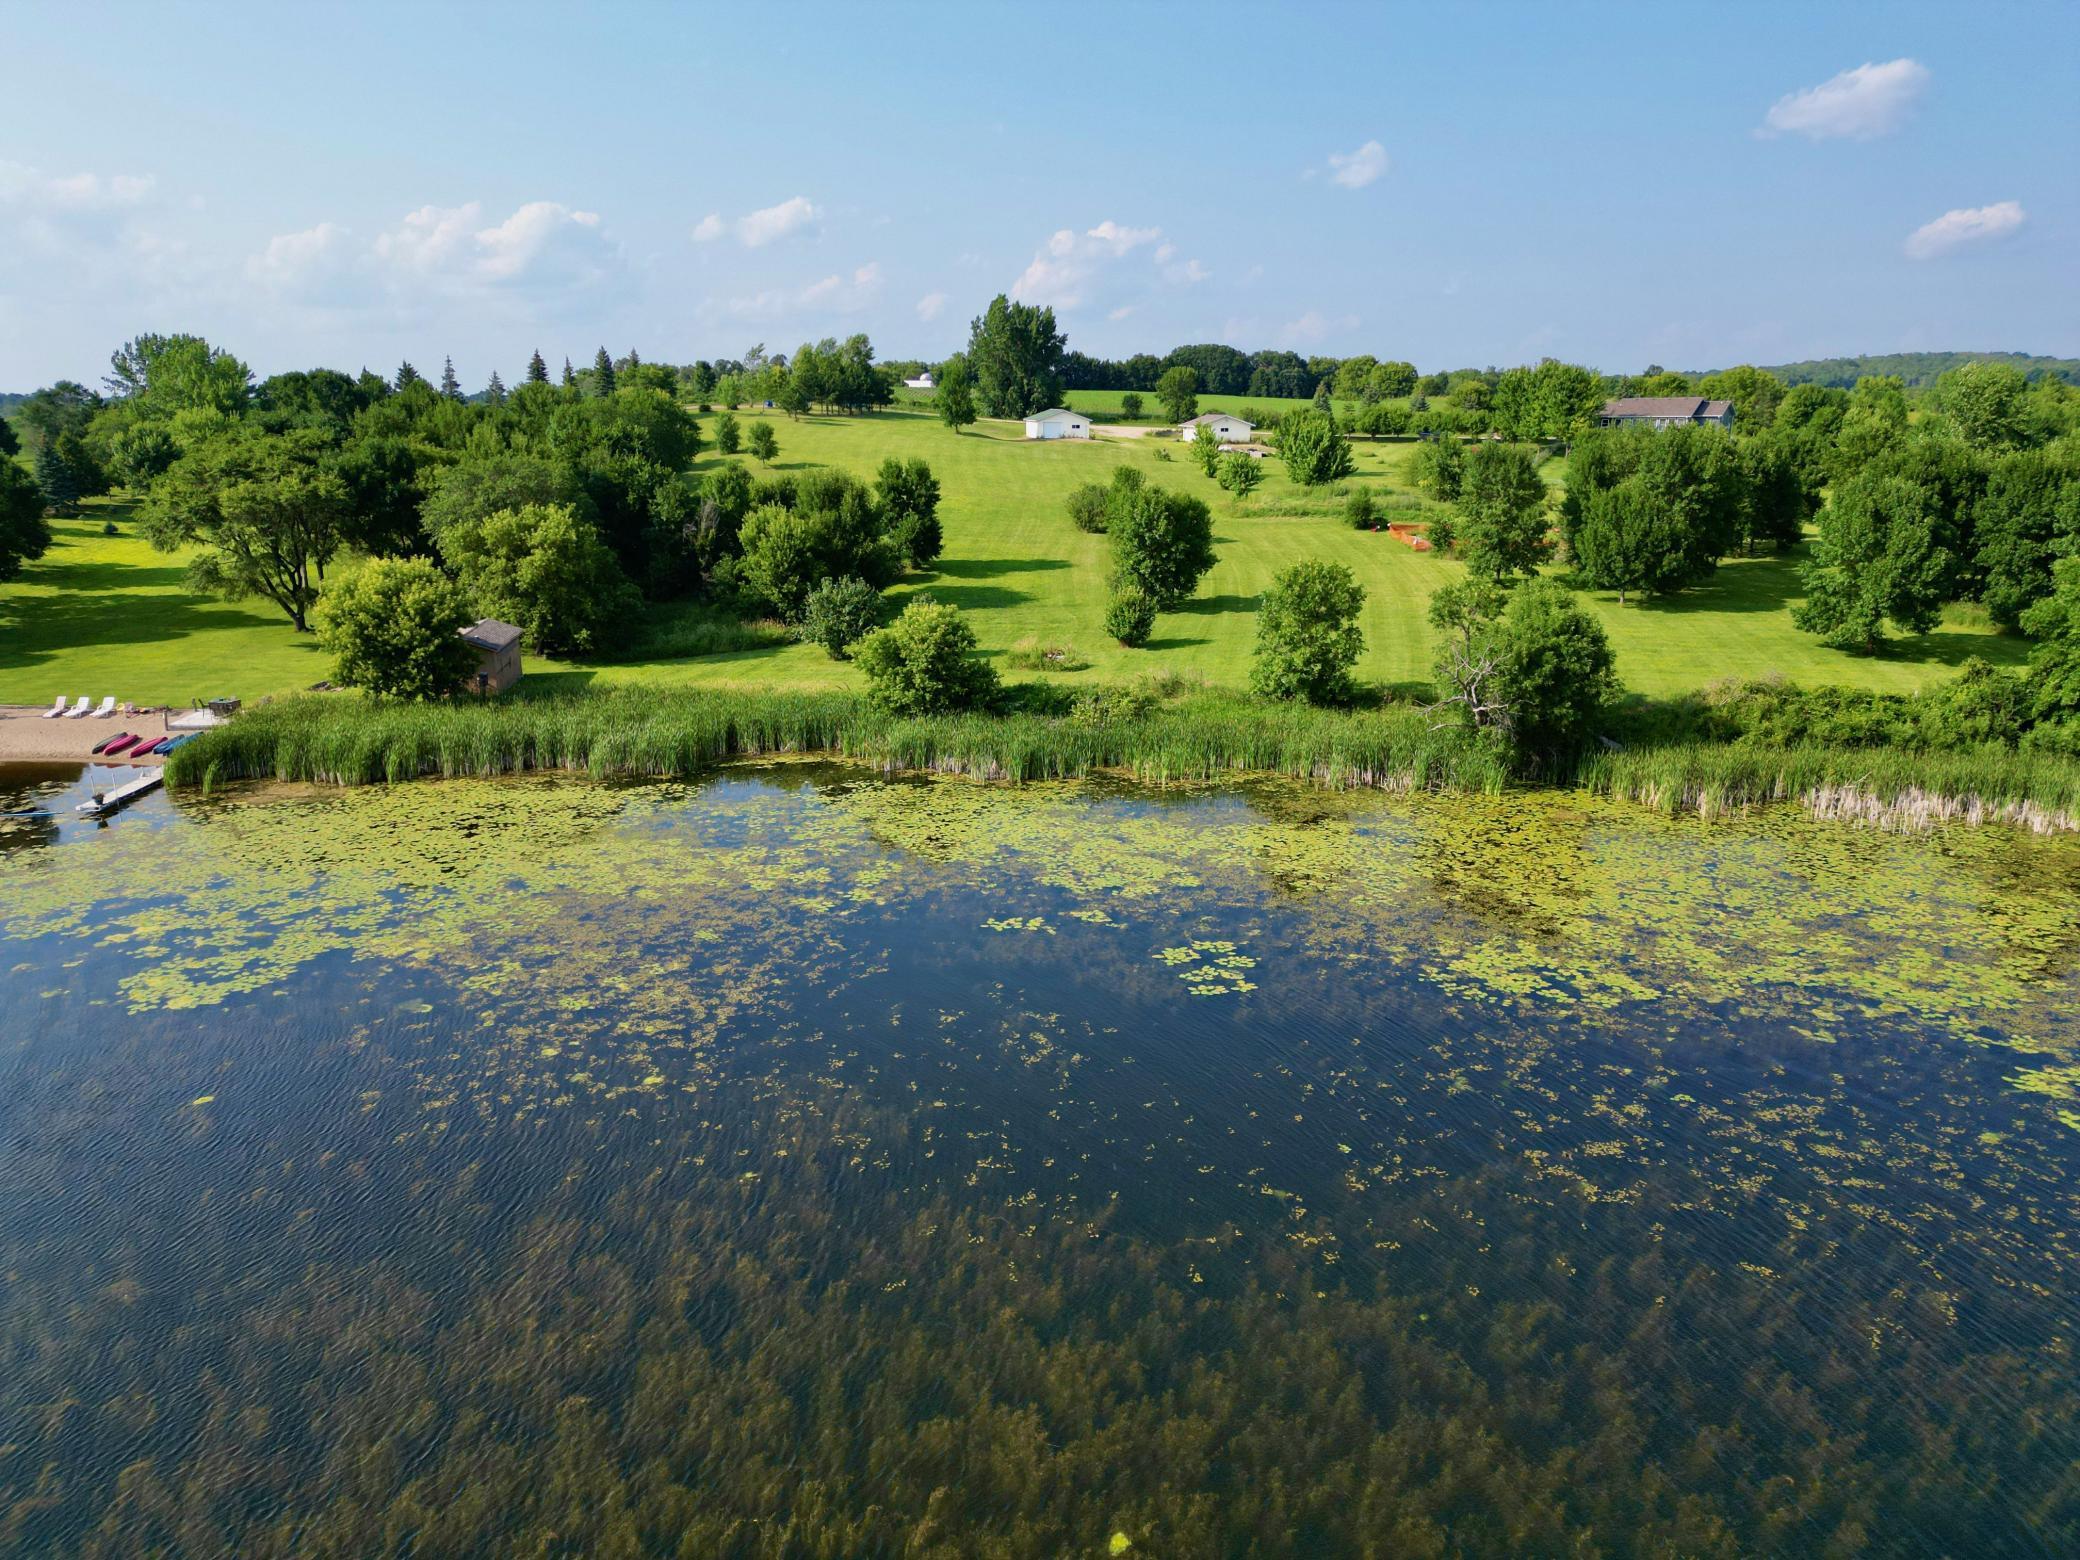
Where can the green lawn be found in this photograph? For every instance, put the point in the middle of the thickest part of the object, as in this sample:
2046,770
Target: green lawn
100,615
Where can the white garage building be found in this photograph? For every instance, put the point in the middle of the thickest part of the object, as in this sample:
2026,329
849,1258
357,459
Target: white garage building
1222,426
1058,423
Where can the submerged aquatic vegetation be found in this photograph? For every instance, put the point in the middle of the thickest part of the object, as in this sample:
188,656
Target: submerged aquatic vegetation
813,1160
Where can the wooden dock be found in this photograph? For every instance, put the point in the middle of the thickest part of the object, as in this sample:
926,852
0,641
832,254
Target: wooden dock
105,802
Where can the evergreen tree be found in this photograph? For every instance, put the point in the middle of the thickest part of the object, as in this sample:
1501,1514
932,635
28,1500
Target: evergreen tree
602,373
570,380
451,387
55,476
407,375
537,370
495,392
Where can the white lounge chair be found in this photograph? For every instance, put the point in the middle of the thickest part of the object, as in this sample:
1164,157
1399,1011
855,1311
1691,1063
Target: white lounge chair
80,709
106,707
56,709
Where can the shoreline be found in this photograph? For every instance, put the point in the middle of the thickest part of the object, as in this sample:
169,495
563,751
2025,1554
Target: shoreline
27,738
651,734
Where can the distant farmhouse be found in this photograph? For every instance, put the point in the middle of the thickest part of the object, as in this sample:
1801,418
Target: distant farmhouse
498,655
1058,422
1219,425
923,381
1666,411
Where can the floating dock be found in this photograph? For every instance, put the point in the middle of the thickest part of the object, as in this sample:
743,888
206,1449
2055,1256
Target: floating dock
105,802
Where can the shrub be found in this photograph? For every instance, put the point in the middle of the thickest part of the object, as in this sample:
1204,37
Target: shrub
1102,705
545,569
1308,637
925,663
1359,509
1206,450
1131,617
838,613
393,630
1130,406
1030,655
1240,474
833,530
1162,543
729,433
1087,506
1556,666
763,442
1314,449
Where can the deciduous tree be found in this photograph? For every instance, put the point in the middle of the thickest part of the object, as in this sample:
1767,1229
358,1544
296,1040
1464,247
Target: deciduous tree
1308,638
1501,513
1178,391
1015,354
394,629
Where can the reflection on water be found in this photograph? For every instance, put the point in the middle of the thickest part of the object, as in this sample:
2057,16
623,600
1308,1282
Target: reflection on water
809,1163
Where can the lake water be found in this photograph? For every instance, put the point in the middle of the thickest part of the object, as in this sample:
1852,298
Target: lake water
805,1162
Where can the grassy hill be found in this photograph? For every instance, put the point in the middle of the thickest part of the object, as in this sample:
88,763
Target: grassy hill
106,615
1917,368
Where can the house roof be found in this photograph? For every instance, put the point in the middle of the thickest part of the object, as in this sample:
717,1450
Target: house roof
1218,417
1679,406
1051,414
490,634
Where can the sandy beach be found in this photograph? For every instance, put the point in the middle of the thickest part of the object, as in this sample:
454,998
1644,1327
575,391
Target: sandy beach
27,738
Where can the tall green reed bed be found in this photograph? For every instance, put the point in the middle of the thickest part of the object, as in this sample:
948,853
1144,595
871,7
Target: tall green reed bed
631,731
628,731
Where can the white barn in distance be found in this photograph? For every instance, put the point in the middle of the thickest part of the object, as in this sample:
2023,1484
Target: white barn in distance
1058,422
1224,426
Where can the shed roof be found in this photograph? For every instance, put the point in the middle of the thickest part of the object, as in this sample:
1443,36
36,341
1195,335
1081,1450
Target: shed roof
1218,417
1051,414
490,634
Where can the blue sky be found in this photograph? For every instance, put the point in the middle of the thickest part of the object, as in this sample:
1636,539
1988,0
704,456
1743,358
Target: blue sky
1618,185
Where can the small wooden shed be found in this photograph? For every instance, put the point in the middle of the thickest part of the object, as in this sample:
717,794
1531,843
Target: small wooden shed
498,655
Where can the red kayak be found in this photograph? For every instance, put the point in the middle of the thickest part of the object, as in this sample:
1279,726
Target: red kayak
110,744
119,745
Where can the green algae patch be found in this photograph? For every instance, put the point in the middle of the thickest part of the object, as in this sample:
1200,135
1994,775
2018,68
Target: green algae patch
606,921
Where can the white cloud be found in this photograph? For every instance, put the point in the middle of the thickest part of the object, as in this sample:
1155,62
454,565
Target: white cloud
1070,267
1355,170
756,229
931,306
833,294
82,234
26,188
297,262
1858,105
1121,312
1186,275
1310,329
1954,230
771,223
443,251
1119,240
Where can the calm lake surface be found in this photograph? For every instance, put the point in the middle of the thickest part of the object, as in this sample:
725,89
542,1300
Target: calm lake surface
804,1162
